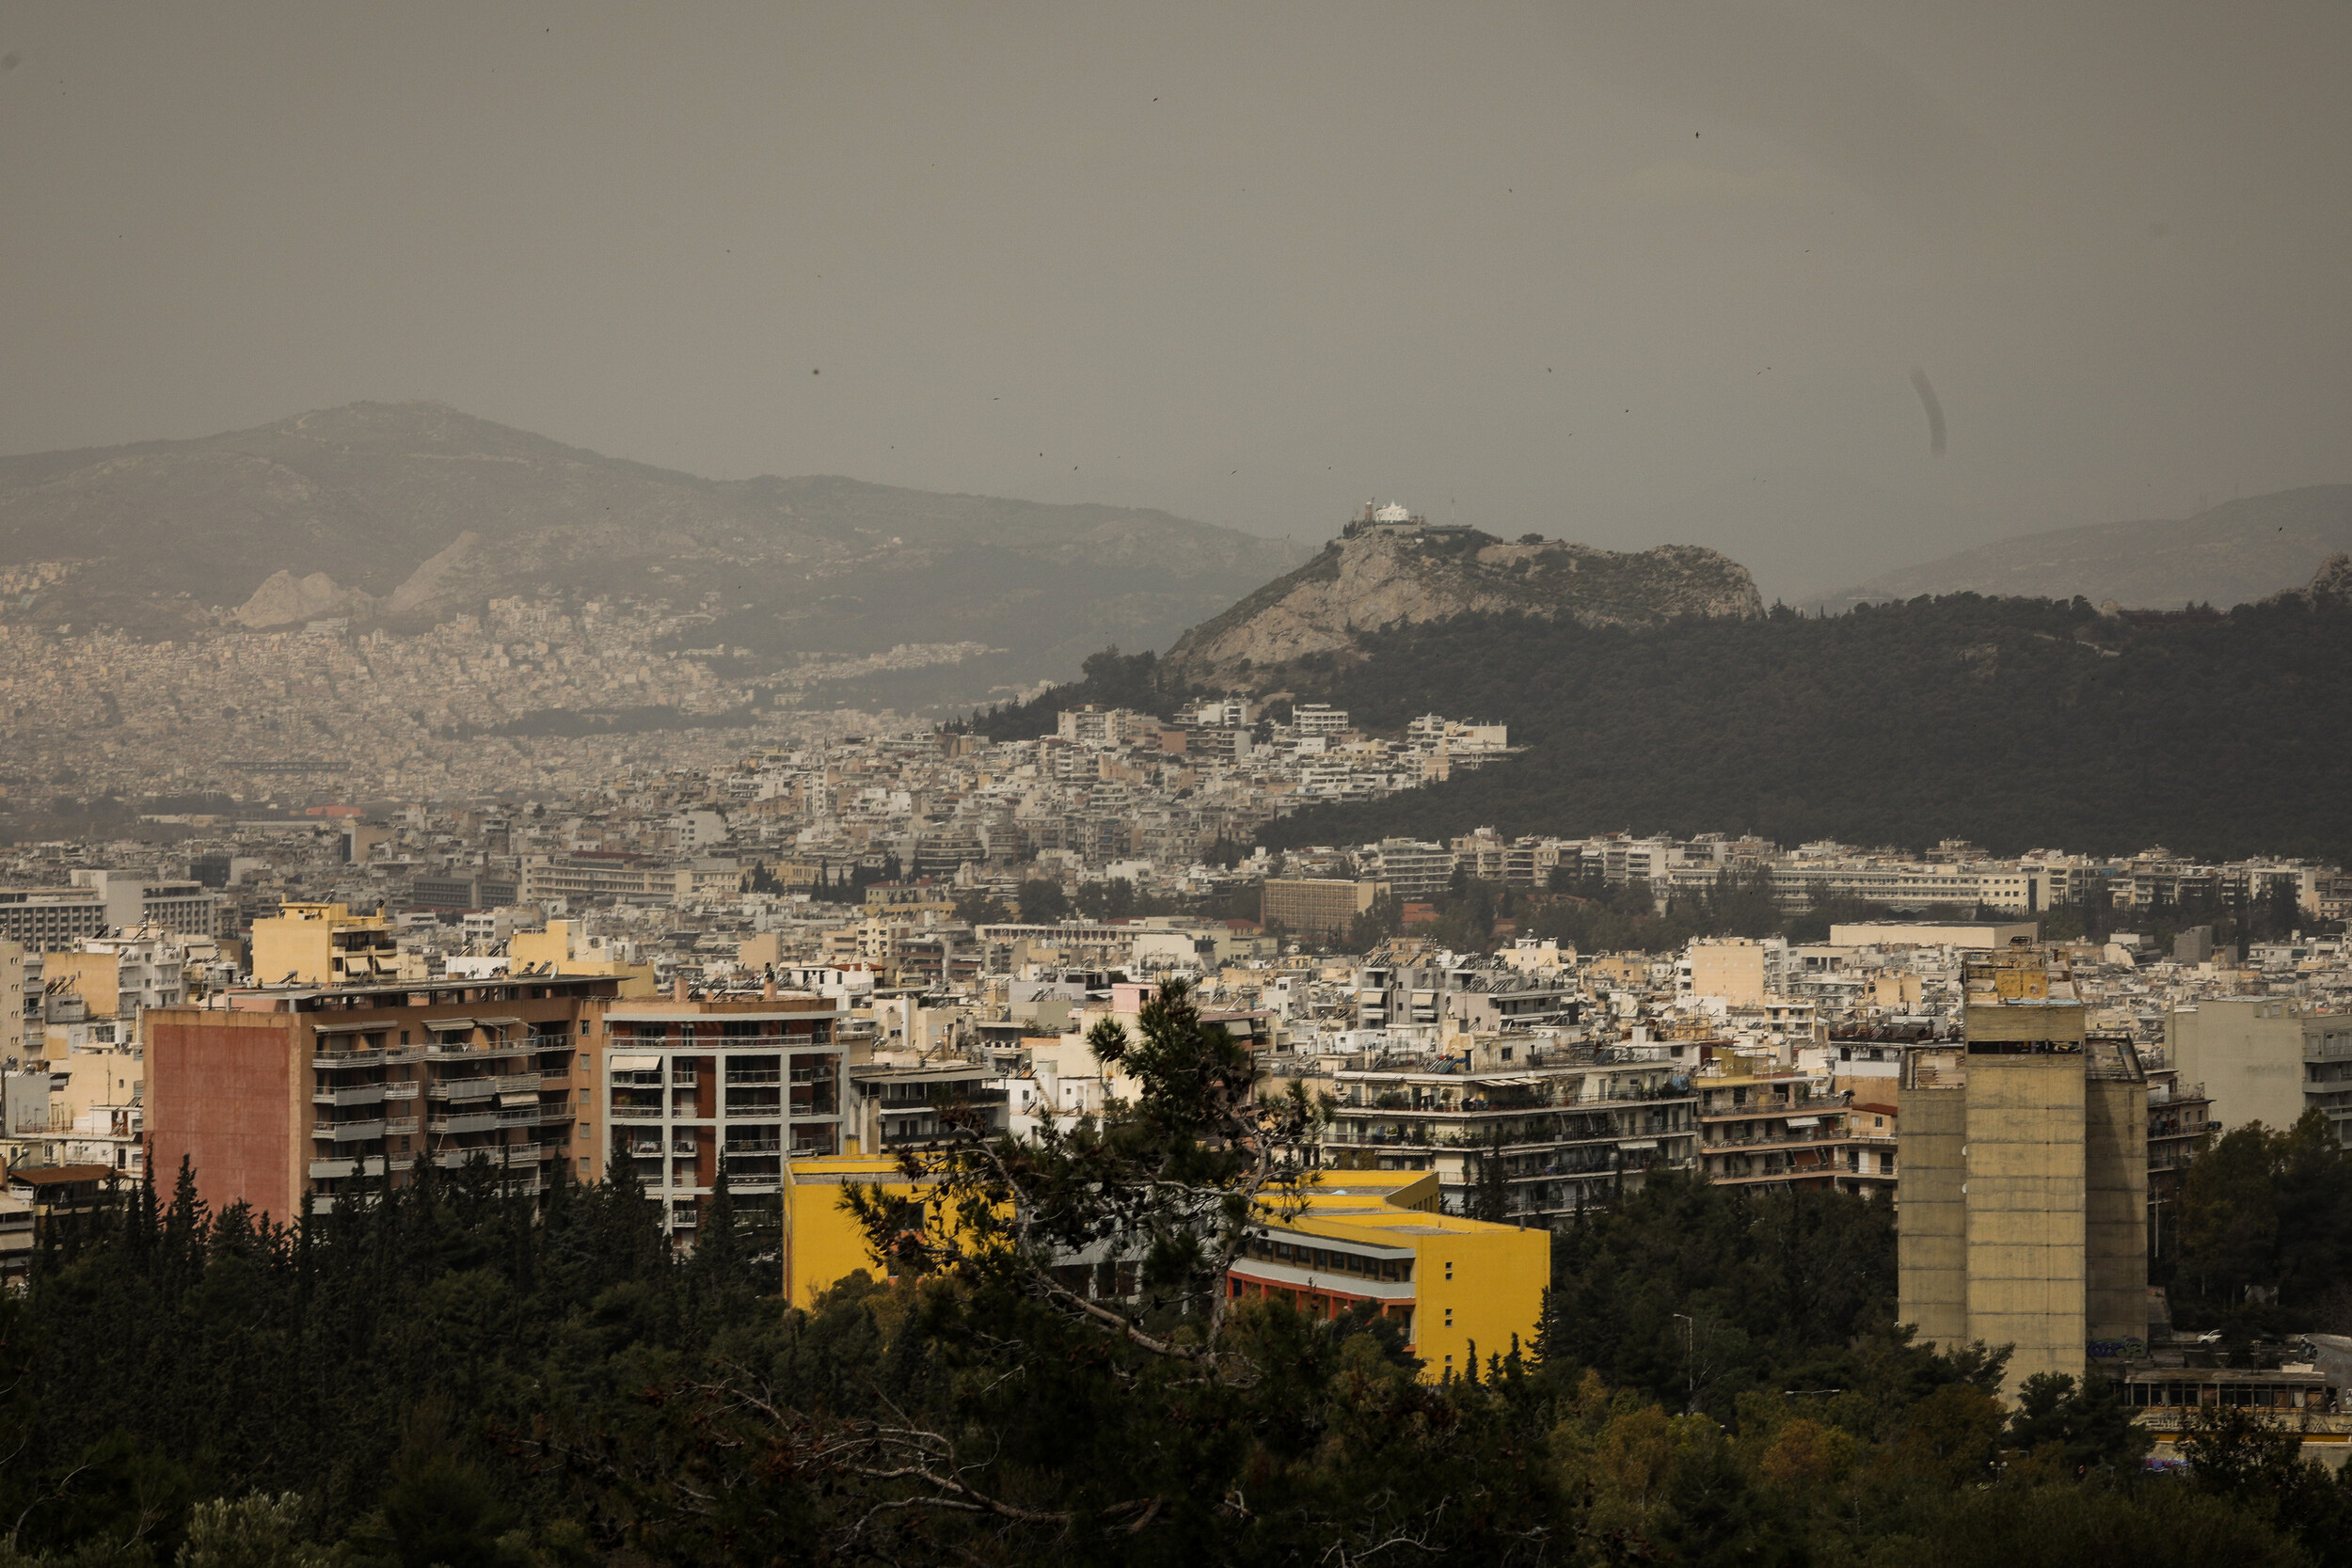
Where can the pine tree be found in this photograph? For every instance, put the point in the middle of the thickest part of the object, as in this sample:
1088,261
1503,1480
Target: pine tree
181,1256
718,1261
1490,1199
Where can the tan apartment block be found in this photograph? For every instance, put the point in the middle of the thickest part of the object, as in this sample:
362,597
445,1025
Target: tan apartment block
2022,1180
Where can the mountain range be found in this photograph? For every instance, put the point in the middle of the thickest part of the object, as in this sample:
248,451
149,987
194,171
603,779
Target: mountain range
403,514
400,516
2234,553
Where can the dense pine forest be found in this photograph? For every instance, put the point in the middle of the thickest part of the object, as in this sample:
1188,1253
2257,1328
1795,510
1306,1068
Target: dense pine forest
2015,723
448,1376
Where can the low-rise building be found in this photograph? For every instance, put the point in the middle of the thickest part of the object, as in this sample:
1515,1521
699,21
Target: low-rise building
326,944
900,1105
2247,1052
1789,1129
1568,1127
1461,1290
1316,909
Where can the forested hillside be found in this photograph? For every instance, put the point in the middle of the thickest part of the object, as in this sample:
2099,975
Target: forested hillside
451,1376
2011,722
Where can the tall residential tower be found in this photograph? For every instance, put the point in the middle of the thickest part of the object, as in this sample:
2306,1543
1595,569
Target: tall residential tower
2023,1178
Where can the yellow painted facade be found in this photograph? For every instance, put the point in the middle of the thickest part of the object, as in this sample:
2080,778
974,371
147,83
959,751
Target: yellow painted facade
322,944
572,952
1473,1286
822,1240
95,975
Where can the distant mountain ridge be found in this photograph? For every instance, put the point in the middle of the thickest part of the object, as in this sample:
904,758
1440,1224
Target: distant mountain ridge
2236,553
1380,579
402,514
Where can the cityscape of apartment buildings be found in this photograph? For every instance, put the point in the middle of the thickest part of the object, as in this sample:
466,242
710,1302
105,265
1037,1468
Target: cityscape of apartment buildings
797,963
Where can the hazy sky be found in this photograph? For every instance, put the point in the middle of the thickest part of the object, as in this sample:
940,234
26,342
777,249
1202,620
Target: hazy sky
1621,272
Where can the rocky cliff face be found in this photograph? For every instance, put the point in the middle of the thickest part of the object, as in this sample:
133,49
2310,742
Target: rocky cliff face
1386,579
2331,586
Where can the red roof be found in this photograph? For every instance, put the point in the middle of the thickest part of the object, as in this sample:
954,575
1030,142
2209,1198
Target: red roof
58,1175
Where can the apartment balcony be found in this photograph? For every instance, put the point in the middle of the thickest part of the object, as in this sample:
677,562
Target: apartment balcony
474,1088
350,1132
910,1137
1514,1140
361,1094
439,1052
337,1061
1766,1113
335,1170
635,1112
400,1126
456,1159
1785,1140
1621,1095
450,1127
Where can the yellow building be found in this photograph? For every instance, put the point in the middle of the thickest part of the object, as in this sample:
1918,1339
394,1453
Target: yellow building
1314,907
1732,968
569,949
1461,1287
96,978
11,999
909,900
1458,1286
324,944
1894,991
822,1240
1622,971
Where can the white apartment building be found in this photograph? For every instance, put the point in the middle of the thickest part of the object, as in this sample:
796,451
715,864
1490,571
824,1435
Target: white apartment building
686,1083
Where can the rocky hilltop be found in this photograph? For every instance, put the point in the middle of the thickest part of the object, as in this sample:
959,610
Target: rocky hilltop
1380,579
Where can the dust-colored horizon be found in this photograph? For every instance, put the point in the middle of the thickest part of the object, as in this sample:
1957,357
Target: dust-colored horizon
1619,273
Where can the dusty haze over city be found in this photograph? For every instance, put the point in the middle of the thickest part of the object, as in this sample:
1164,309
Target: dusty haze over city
1622,274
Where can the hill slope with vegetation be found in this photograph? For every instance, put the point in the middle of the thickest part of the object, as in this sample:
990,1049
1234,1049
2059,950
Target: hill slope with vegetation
2015,723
